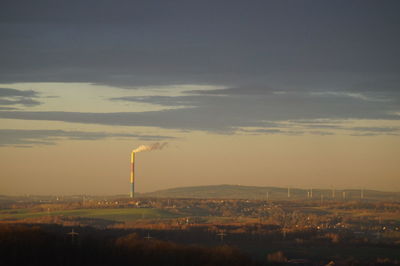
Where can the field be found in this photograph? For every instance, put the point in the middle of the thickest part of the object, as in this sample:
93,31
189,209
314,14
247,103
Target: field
117,214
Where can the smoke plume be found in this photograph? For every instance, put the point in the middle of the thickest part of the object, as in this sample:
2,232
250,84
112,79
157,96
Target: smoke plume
152,147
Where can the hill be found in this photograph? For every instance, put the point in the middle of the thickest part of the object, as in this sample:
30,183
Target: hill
272,193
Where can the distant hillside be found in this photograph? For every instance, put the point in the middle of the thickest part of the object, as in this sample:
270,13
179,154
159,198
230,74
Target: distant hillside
274,193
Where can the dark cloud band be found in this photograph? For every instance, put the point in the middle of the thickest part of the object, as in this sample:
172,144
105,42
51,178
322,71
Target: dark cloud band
27,138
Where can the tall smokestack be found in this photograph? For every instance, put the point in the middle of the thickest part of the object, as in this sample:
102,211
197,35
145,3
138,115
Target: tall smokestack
132,174
142,148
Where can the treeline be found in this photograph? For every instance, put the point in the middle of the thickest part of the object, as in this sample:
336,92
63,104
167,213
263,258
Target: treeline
25,245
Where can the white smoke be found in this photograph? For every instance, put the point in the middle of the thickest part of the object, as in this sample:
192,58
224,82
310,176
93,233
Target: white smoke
152,147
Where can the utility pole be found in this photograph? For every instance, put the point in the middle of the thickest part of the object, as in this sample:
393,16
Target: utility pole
148,237
73,234
221,234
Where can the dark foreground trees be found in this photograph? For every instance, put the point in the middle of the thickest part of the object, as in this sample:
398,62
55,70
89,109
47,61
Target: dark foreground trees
23,245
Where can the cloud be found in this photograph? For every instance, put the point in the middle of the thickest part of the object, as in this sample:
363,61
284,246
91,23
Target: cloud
142,43
160,100
376,130
268,131
2,108
19,101
27,138
295,129
358,96
275,63
321,133
244,90
344,128
7,92
225,113
17,97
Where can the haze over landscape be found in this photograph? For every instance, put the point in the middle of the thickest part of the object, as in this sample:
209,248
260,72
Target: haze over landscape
273,93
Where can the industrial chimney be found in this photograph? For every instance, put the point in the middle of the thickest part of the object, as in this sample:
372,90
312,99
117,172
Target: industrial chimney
141,148
132,174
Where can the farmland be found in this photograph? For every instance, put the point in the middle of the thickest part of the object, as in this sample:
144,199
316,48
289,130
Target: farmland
354,230
114,214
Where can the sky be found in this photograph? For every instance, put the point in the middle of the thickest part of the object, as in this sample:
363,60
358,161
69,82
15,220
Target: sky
262,93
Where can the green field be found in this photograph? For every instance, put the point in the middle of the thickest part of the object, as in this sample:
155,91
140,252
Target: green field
120,214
